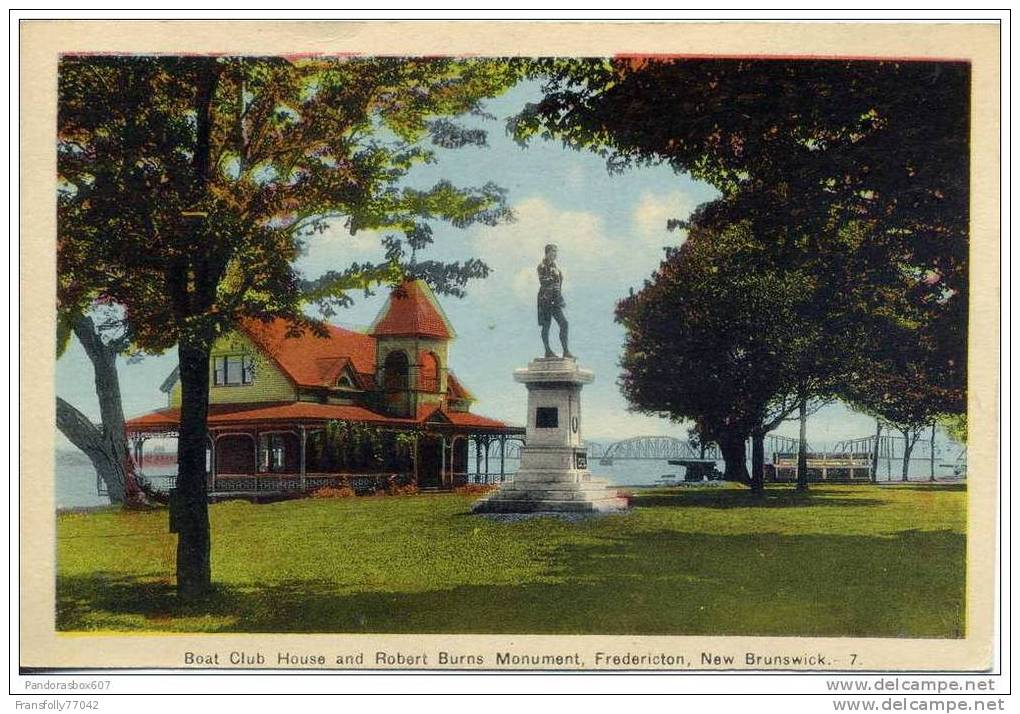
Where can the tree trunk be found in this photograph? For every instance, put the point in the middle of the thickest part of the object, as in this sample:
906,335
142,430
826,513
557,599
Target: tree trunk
193,293
190,509
931,453
876,452
908,447
107,448
735,457
758,462
86,436
802,475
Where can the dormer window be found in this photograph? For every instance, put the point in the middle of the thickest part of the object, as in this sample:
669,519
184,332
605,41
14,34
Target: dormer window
233,370
345,382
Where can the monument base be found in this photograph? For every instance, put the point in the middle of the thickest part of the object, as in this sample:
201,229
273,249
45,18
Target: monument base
553,476
537,492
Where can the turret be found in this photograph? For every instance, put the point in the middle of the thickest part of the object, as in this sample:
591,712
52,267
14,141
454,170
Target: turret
412,336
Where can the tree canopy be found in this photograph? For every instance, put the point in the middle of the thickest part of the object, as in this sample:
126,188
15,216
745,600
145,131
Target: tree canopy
187,186
882,141
852,176
728,337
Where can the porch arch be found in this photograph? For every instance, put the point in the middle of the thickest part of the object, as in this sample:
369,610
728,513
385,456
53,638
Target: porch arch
236,453
396,371
428,372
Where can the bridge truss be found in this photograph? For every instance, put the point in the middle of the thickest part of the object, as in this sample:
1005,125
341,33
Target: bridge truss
658,448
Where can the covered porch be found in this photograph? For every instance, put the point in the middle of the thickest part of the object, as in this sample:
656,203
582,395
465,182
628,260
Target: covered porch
264,456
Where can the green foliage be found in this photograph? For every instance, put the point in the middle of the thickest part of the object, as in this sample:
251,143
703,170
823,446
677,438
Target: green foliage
188,185
678,564
726,335
65,328
956,427
856,172
356,446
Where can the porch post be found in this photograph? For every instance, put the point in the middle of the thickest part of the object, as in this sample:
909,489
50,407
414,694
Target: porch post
890,449
442,460
502,458
304,438
212,457
478,458
486,459
258,459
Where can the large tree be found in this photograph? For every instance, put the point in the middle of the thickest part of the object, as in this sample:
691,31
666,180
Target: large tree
804,150
188,185
898,375
725,335
104,337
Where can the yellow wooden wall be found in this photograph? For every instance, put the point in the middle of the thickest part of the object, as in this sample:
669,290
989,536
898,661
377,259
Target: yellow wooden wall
270,385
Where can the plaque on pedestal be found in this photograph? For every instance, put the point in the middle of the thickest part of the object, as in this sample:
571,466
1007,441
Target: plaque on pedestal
553,475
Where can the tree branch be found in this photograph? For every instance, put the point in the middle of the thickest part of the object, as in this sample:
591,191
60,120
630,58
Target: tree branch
78,429
85,330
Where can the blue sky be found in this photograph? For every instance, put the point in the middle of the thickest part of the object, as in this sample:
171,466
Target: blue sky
611,230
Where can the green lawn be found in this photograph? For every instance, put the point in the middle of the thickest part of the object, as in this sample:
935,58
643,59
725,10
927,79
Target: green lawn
844,560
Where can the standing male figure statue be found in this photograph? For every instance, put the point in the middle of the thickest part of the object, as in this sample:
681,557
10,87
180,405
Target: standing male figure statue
550,301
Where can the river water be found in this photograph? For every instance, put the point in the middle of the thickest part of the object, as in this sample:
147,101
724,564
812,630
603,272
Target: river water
76,479
649,473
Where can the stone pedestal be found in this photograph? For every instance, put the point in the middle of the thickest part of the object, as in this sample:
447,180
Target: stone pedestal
553,474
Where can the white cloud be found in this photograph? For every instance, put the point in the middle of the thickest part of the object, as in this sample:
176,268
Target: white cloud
654,210
525,283
513,250
335,249
579,234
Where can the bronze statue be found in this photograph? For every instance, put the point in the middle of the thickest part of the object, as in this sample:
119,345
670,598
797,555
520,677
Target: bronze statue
550,301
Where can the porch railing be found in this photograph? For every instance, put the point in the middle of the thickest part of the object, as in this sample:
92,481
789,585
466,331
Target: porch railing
291,482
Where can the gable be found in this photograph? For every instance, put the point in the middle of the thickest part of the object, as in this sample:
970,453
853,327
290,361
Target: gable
271,384
346,377
432,414
311,360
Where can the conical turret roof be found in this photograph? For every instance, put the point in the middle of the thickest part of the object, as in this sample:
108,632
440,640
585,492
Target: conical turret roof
412,311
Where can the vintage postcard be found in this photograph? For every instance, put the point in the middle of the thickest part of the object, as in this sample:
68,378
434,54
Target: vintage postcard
509,346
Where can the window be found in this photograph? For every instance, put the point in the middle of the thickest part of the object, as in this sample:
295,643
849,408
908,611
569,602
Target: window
273,452
428,373
233,370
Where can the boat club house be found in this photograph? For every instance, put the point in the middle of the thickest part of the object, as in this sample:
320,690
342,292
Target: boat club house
292,410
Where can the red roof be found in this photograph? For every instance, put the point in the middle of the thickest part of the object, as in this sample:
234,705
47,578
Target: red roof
239,414
266,412
456,390
474,420
413,311
310,360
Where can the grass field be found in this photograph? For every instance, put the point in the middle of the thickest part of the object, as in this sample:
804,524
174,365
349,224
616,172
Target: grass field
864,561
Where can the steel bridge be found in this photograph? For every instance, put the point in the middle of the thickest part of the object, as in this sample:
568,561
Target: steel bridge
648,448
657,448
945,455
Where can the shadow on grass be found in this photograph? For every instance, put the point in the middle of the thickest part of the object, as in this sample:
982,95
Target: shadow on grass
926,487
732,498
907,584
